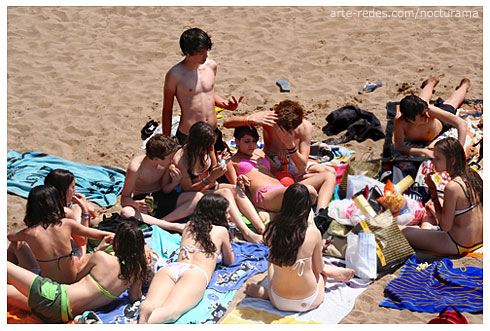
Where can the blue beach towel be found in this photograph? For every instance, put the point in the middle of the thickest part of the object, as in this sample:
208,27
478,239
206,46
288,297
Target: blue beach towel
436,287
225,281
100,184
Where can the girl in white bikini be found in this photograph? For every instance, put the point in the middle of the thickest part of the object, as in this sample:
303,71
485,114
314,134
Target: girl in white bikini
179,286
297,273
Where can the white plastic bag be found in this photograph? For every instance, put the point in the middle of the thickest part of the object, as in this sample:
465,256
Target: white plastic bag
355,183
342,211
360,254
412,213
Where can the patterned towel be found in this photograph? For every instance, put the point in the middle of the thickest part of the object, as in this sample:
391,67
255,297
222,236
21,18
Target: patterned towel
225,281
100,184
439,285
339,301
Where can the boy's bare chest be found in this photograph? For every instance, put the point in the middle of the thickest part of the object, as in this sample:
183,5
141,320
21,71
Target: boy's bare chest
423,132
199,81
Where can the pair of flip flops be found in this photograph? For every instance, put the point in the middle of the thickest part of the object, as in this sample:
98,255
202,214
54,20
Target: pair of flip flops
447,316
88,317
148,129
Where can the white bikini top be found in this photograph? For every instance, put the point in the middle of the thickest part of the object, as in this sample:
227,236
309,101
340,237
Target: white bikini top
300,265
188,249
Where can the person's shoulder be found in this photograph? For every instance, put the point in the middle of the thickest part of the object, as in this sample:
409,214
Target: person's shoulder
136,162
452,187
211,63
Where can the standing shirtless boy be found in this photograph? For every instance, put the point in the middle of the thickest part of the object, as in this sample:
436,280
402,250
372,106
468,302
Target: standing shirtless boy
420,122
191,81
152,174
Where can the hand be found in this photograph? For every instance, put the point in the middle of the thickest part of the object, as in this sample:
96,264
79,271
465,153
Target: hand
175,175
232,103
224,155
283,157
263,118
106,242
216,173
142,206
284,136
428,152
430,183
80,200
430,208
243,180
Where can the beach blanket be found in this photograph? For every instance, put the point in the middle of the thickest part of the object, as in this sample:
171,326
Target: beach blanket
339,301
225,281
432,289
100,184
470,110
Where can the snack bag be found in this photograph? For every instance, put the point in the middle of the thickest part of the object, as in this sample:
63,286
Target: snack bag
392,200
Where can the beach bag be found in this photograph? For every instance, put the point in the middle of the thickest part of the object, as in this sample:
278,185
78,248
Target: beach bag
360,254
392,248
335,239
362,168
356,183
449,317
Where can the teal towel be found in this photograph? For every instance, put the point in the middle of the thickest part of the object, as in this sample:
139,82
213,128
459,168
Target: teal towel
100,184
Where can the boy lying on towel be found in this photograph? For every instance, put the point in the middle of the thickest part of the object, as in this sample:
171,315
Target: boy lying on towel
421,122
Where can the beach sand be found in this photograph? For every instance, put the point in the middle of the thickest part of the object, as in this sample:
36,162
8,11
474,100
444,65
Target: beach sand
83,81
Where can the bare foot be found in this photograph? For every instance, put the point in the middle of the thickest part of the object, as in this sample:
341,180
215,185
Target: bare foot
145,310
340,274
432,80
464,81
256,291
253,237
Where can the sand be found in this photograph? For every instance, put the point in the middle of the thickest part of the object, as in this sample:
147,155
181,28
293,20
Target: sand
83,81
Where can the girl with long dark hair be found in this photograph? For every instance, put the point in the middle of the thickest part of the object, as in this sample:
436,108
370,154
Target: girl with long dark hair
104,278
460,215
297,273
45,245
194,161
179,286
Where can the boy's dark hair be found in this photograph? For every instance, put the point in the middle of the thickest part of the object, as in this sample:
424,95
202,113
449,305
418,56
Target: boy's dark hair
194,40
210,210
411,106
242,131
286,233
129,248
61,179
289,114
160,146
43,207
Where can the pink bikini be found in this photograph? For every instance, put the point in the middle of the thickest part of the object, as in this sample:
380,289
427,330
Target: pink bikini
244,167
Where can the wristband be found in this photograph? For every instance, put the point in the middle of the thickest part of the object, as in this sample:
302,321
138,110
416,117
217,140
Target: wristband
434,199
84,213
204,181
292,150
245,121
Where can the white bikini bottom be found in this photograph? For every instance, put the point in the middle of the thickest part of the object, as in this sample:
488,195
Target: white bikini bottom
293,304
178,268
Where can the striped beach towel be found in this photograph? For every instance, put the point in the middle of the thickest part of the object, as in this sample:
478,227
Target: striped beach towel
433,288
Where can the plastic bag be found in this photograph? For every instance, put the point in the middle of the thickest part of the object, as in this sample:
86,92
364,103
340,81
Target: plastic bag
412,213
355,183
342,211
360,254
